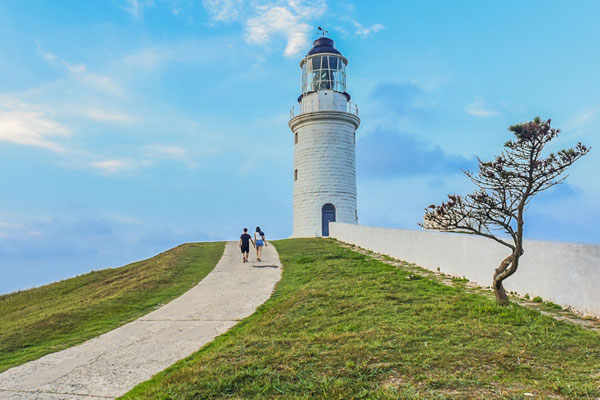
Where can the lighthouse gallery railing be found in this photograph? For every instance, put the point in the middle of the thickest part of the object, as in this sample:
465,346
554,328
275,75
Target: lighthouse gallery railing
327,105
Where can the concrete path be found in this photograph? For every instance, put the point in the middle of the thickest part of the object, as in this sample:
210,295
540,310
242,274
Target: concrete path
110,365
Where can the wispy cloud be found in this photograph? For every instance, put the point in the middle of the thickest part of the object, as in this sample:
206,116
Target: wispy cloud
584,121
147,156
115,166
102,115
148,58
161,152
365,31
266,22
99,82
479,108
45,55
4,224
136,7
30,126
7,228
224,10
79,72
342,31
278,20
154,57
168,152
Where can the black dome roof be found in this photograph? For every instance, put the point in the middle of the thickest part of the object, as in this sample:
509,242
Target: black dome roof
323,45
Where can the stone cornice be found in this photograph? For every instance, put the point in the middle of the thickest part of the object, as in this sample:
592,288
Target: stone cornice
324,115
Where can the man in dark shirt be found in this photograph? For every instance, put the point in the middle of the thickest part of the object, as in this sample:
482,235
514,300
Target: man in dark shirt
245,240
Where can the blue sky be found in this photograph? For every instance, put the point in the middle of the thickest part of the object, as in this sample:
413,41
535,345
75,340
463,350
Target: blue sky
129,126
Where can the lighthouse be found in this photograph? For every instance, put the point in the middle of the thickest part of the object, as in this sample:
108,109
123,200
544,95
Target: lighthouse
324,124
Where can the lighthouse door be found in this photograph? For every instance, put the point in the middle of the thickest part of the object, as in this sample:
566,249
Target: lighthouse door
328,213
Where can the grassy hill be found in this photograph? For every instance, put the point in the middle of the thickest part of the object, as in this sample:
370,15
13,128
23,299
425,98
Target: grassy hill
343,325
43,320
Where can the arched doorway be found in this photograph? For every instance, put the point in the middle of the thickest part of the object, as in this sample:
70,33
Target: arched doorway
328,215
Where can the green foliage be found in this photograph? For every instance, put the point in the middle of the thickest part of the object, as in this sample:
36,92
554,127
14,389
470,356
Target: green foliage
552,305
537,299
344,326
43,320
504,190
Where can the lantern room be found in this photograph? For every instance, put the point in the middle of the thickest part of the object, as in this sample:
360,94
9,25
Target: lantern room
323,68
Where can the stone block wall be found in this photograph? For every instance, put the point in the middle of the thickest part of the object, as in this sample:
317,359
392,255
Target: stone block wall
324,165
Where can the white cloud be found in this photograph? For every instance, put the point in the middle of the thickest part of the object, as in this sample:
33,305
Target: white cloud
114,166
80,72
45,55
168,152
265,22
343,32
584,121
98,114
153,57
136,7
278,20
98,82
147,58
162,152
4,224
308,9
150,156
365,31
478,108
224,10
28,125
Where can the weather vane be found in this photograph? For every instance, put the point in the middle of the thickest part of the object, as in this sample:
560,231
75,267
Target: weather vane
323,31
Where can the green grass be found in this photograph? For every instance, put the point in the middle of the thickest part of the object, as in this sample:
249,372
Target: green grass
341,325
43,320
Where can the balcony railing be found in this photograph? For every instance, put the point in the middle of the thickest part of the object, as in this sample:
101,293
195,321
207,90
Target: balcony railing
323,105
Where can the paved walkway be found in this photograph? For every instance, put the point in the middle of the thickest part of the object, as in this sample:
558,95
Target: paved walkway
110,365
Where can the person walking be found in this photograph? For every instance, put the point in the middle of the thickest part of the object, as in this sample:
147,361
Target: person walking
259,238
244,244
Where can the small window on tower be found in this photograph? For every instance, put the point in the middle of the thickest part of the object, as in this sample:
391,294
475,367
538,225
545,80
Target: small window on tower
296,138
295,174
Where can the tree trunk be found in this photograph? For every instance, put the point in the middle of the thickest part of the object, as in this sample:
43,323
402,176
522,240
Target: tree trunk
499,275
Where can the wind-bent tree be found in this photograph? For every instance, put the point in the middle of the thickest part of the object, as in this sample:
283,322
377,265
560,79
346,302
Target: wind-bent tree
504,191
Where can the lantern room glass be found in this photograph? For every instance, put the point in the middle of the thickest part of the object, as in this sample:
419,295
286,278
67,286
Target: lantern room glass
324,72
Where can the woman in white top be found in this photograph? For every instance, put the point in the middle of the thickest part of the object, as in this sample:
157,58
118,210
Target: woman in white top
259,239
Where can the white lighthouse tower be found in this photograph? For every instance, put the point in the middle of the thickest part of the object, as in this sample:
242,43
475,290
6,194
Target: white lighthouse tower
324,125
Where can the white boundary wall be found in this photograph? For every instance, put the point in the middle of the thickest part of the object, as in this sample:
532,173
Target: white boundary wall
564,273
